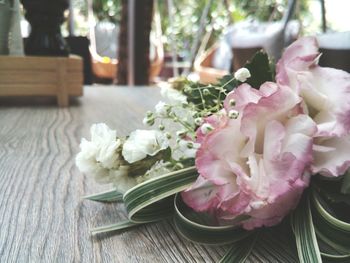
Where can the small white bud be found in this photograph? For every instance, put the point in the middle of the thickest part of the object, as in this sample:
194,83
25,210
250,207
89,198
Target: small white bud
161,127
198,121
206,128
181,134
242,74
162,109
168,135
206,92
148,121
233,114
189,145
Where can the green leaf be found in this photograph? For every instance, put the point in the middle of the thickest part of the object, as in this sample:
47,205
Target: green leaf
332,231
304,232
114,227
196,228
229,83
261,70
108,196
345,188
152,200
240,251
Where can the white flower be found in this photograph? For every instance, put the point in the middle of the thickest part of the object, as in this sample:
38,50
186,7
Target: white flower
242,74
100,154
142,143
188,148
162,109
173,95
198,121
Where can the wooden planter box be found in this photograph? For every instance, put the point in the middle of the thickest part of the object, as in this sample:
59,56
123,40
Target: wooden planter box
42,76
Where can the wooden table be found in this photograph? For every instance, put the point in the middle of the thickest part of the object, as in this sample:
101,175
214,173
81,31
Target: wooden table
42,215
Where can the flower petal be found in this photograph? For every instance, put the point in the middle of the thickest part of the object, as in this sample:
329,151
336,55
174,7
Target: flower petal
202,195
279,105
326,91
335,160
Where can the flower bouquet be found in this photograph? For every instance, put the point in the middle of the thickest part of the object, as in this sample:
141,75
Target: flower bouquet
270,144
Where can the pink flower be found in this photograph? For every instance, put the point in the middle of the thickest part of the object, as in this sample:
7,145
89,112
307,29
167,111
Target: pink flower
254,165
326,95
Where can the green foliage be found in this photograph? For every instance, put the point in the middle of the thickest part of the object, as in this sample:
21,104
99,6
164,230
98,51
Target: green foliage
186,16
209,98
345,187
151,201
332,233
260,69
240,250
202,229
304,231
319,233
335,193
108,196
108,10
126,224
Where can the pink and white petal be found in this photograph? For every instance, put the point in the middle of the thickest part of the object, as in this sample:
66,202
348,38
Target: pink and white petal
243,95
216,171
301,124
303,48
202,195
335,160
217,121
267,89
258,184
327,91
272,213
233,206
286,169
278,106
286,155
273,139
217,145
299,56
300,131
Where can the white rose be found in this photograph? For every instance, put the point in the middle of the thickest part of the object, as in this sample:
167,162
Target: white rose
142,143
100,154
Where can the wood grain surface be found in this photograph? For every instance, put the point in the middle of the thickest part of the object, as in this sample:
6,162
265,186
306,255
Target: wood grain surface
42,215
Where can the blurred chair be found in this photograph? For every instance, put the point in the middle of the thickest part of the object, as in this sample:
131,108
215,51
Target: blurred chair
335,49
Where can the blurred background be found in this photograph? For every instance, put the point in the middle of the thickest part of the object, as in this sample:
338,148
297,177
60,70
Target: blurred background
199,39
